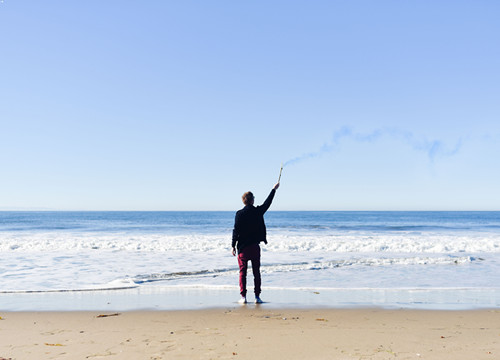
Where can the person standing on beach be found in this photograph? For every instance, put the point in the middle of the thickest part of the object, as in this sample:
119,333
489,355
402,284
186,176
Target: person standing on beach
249,230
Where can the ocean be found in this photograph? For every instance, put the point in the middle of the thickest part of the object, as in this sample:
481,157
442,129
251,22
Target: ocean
47,252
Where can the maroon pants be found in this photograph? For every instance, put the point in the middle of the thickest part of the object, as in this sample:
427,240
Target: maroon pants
251,253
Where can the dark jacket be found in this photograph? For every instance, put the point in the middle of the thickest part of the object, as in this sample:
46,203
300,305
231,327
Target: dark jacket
249,226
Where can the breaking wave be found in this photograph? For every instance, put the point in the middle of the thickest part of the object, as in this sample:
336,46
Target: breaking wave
406,243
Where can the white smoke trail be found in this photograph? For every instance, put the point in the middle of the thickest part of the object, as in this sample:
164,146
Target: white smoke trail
433,148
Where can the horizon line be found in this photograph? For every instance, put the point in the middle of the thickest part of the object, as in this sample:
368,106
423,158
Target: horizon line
233,210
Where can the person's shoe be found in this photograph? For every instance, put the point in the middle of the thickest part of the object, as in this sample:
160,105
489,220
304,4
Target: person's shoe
258,300
243,300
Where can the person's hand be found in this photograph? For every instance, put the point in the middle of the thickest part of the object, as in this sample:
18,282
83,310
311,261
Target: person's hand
233,251
276,186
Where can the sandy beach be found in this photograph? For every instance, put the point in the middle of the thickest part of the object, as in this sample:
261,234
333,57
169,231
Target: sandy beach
252,333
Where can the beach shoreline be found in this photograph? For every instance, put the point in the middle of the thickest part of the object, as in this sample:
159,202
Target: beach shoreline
169,298
249,332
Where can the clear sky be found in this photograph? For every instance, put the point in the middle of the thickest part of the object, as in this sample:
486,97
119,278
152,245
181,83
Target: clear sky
184,105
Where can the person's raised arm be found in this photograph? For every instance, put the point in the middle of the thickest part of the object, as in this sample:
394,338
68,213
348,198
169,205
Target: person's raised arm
269,199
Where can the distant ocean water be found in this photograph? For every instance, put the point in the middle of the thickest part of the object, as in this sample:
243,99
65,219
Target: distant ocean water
61,251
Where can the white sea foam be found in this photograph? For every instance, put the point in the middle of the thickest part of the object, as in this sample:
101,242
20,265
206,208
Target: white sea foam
305,266
386,243
54,280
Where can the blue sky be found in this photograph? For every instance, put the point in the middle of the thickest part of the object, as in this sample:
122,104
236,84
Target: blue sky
184,105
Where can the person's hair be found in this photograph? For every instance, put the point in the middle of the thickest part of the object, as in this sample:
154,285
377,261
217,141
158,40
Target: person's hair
247,198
